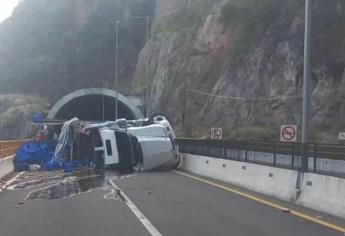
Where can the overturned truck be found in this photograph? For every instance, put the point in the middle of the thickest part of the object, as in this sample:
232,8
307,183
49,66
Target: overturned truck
142,145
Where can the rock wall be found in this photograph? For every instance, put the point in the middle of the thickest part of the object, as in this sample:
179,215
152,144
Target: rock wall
54,47
238,64
15,115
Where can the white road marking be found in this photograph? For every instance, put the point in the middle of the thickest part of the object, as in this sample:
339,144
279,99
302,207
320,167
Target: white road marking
8,183
140,216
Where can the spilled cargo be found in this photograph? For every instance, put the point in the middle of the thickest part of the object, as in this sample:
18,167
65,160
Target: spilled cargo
142,145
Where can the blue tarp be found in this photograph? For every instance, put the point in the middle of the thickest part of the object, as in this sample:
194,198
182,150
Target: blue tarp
49,154
37,117
33,152
42,153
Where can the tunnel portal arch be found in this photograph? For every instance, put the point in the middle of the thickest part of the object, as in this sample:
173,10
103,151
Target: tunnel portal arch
94,104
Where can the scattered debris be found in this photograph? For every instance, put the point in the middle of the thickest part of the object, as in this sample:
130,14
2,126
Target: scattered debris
34,167
144,144
112,195
20,202
70,187
21,186
286,210
37,181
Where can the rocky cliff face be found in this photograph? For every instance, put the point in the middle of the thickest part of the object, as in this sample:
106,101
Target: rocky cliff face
238,64
15,115
53,47
235,64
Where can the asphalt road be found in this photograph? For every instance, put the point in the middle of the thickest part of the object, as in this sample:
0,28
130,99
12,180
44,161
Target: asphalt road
173,204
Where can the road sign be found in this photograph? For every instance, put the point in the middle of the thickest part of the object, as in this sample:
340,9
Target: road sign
288,133
216,133
342,136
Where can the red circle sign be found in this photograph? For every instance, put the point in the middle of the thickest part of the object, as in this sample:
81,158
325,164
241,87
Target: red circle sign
216,134
289,133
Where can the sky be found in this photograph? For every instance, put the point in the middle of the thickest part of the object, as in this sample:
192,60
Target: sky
6,8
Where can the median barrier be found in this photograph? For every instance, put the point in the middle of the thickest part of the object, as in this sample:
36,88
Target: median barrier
319,192
275,182
323,193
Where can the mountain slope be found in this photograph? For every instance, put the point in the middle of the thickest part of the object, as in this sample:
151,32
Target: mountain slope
238,64
53,47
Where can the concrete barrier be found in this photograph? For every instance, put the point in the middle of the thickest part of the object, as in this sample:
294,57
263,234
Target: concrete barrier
6,166
322,193
279,183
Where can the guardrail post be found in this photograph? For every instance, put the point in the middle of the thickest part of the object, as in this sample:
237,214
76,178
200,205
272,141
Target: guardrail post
246,152
275,154
315,158
221,150
224,150
293,156
305,157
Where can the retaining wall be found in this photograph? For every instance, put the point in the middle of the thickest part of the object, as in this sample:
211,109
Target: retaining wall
319,192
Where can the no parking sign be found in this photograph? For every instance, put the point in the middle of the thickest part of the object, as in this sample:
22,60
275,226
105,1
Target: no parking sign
216,133
288,133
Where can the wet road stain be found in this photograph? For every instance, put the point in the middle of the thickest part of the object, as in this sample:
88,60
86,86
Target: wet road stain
36,182
70,186
67,188
37,179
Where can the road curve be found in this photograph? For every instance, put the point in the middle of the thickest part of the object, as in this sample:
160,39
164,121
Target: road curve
171,203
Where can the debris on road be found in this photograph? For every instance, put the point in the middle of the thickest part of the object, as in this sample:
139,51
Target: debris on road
32,153
286,210
34,167
142,145
20,202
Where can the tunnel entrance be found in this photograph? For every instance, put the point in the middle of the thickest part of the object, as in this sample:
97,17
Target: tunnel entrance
94,105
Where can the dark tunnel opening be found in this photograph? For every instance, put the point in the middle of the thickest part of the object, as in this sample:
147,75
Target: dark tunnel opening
94,108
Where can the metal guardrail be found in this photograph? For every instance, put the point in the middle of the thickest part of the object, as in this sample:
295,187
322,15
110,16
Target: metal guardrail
8,148
322,158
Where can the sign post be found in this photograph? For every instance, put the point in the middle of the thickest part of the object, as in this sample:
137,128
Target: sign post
288,133
217,133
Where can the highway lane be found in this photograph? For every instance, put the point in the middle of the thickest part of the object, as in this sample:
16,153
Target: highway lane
178,205
85,214
174,204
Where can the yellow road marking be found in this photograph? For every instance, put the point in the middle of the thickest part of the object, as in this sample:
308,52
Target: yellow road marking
266,202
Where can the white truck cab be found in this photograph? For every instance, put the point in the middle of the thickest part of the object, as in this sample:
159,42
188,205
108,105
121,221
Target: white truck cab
143,147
